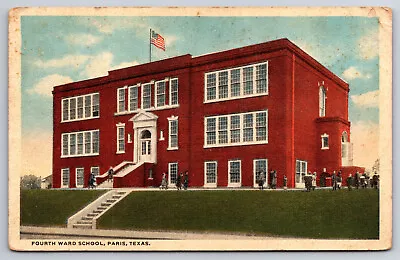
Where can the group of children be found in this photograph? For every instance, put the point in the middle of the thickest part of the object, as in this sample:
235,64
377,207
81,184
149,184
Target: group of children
182,178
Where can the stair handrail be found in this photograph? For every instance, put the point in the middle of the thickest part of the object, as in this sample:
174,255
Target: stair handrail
101,178
135,166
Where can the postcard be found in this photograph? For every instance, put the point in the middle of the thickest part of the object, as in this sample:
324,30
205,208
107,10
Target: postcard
200,129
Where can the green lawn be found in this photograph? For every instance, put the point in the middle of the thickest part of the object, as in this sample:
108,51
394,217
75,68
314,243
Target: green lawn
318,214
53,207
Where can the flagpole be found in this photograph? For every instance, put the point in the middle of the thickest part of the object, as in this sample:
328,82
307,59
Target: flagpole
150,44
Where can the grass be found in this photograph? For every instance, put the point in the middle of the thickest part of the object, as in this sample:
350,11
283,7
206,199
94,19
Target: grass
53,207
318,214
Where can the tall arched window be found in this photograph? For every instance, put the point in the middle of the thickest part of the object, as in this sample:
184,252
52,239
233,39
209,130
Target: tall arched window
322,101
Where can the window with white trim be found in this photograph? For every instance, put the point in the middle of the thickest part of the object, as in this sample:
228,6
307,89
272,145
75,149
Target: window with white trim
210,174
83,143
234,173
301,170
133,98
95,170
236,129
160,93
64,177
172,172
80,107
146,96
245,81
260,167
120,138
80,172
173,90
121,99
324,141
173,133
322,101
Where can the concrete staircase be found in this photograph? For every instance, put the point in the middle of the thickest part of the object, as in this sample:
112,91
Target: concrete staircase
87,217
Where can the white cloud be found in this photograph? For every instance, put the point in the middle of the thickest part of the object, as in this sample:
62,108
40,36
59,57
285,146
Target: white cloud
170,39
45,85
100,64
368,45
82,39
37,153
108,26
352,73
369,99
325,54
365,139
124,65
66,61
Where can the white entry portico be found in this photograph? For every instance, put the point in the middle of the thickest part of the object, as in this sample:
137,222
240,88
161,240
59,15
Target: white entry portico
144,137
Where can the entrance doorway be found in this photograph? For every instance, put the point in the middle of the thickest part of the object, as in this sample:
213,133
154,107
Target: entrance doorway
145,146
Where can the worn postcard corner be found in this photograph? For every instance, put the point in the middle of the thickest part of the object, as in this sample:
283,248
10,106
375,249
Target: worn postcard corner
162,129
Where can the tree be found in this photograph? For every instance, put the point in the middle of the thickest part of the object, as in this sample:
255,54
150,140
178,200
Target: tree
30,182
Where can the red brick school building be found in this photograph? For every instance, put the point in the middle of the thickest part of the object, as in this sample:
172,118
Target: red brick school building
223,117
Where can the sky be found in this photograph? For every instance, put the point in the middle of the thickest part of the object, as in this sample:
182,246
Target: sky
58,50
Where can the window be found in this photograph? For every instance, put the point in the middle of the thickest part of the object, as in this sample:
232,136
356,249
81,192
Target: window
301,170
223,84
95,170
79,177
120,138
65,177
223,129
248,127
95,141
250,80
80,143
261,78
324,141
235,82
146,96
260,169
88,106
72,144
133,98
235,172
160,93
80,107
173,133
211,131
65,144
172,172
96,105
72,108
121,99
236,129
65,109
173,87
322,101
210,174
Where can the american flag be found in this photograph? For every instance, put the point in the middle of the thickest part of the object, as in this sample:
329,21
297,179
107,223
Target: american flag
157,40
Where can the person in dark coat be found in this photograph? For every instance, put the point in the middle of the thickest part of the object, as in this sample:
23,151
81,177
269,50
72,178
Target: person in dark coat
308,181
179,182
110,174
334,180
357,180
284,182
261,180
273,180
186,181
349,182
